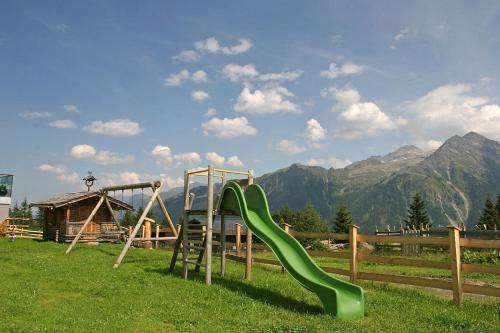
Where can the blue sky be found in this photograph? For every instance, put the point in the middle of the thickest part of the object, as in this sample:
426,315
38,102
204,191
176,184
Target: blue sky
141,90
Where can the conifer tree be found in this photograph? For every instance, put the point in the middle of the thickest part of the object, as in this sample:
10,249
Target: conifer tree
417,213
489,215
342,218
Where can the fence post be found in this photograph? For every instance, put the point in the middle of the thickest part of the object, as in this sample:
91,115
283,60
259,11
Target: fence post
456,264
353,251
286,227
57,236
157,234
238,239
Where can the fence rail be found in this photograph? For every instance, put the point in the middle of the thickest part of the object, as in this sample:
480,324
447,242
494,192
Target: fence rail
455,283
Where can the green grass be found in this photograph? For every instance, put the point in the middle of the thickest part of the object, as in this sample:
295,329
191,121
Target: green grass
44,290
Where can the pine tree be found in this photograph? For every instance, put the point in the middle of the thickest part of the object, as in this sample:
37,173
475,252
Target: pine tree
309,220
128,219
342,218
489,215
417,213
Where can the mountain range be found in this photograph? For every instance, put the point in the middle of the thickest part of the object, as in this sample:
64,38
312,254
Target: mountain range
453,180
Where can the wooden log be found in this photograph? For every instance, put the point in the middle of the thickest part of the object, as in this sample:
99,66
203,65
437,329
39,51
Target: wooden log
456,266
111,211
480,243
153,185
353,251
238,239
481,290
479,268
236,258
165,213
138,225
324,254
82,229
185,221
157,235
403,240
319,235
210,215
147,234
267,261
145,239
248,263
222,235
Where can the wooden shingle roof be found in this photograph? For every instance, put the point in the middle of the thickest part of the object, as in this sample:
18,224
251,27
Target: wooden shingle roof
73,197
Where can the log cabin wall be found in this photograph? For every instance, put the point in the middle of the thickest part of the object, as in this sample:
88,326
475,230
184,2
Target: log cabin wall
69,220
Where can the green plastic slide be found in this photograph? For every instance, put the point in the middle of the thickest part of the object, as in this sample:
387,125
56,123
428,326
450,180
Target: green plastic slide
339,298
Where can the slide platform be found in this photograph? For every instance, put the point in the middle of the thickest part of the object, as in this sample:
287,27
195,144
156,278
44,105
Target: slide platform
339,298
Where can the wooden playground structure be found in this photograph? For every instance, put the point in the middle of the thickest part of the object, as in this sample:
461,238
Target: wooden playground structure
155,187
199,237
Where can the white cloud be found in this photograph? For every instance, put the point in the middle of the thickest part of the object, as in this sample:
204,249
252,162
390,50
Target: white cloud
365,119
187,56
210,112
71,108
211,45
35,115
358,118
105,157
402,34
60,170
82,151
267,100
172,182
214,158
174,80
234,161
51,168
236,73
117,127
453,109
289,147
344,96
199,96
162,154
125,177
199,76
346,69
189,158
331,162
228,128
62,124
315,132
102,157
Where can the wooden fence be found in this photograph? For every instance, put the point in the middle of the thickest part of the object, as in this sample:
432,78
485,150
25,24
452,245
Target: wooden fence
21,232
455,283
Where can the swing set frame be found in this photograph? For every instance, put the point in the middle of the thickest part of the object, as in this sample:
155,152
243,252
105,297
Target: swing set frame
156,187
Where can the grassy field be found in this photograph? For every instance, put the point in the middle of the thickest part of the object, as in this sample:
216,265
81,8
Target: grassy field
44,290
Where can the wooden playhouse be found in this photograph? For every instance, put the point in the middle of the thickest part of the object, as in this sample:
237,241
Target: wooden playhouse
64,216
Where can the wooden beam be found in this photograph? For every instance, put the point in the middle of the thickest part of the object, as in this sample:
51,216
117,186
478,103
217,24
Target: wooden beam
403,261
480,243
319,235
89,219
456,266
166,215
184,230
210,216
402,279
248,263
153,185
138,225
403,240
353,251
111,210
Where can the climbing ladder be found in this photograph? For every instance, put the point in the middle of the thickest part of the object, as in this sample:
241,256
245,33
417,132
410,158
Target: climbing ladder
197,238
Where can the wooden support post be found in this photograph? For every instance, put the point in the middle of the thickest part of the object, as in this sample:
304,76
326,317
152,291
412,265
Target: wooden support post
178,228
147,233
82,229
143,231
238,239
111,211
157,234
139,223
456,264
168,219
129,230
286,227
353,251
185,251
248,261
222,235
210,216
